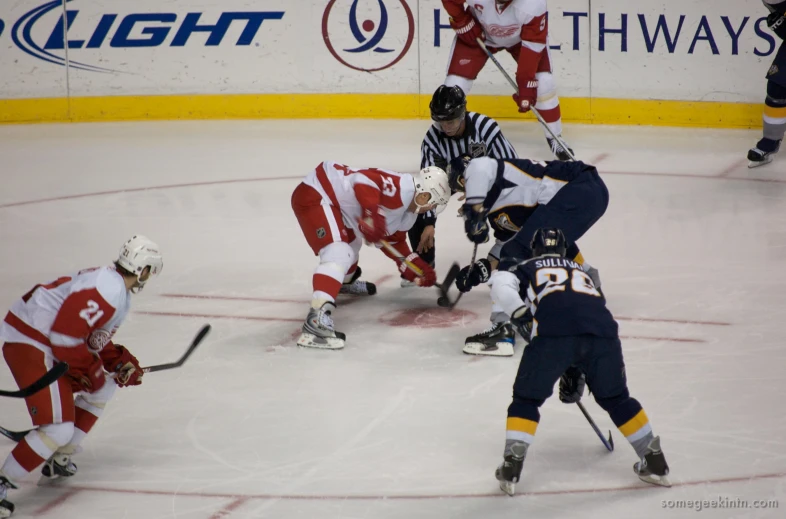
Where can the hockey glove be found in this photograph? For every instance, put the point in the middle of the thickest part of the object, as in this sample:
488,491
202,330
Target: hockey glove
522,321
473,275
571,385
428,277
88,379
467,29
455,173
777,24
475,224
527,96
120,361
372,225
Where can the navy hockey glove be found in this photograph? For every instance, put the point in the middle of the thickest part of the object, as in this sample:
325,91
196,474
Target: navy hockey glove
777,24
475,225
473,275
522,321
571,385
455,173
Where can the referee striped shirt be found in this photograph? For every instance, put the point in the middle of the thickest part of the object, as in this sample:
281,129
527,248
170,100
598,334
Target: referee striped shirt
482,138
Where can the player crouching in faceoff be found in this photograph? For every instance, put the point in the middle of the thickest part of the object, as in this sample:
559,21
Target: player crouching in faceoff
72,319
573,332
337,208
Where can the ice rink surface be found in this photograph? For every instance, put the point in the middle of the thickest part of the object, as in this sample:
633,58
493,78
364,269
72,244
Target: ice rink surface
400,424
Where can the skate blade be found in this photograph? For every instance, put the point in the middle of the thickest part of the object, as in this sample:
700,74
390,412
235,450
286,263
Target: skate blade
652,479
507,487
753,164
503,349
309,340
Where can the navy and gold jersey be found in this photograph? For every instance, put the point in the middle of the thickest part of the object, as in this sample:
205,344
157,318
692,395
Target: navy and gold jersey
564,301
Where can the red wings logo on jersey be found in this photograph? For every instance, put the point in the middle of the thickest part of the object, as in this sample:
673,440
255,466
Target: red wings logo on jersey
479,8
502,31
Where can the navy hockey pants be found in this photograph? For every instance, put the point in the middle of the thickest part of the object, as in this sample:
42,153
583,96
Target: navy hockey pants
574,209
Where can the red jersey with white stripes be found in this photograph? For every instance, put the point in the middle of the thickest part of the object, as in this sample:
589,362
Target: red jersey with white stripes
353,190
71,318
522,21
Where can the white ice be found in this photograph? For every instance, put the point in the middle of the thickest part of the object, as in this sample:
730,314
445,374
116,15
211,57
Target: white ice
400,423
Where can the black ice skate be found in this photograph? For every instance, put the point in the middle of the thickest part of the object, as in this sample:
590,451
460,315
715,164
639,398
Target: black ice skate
318,330
558,150
653,468
357,287
509,473
763,153
59,465
497,340
6,507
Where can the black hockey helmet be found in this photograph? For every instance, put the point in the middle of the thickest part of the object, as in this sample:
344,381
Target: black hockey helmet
448,103
548,240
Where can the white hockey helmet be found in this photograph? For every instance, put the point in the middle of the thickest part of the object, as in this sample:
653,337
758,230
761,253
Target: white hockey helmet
136,254
434,181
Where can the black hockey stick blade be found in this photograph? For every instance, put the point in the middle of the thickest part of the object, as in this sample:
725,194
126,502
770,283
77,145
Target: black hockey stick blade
14,435
609,444
50,376
450,278
182,360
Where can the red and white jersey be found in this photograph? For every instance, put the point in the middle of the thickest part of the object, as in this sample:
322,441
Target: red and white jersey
524,21
71,317
352,190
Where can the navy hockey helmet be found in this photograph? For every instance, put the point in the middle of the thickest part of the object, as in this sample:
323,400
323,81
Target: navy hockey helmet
455,172
448,103
548,241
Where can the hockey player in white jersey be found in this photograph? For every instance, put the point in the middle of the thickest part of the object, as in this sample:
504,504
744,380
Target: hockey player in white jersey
515,197
71,319
337,208
774,117
521,28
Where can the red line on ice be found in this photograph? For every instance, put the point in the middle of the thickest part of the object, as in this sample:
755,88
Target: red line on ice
731,167
677,321
668,339
229,508
221,316
57,501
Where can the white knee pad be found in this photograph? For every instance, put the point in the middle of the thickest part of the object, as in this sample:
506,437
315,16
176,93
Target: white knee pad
339,253
464,83
56,434
547,91
94,403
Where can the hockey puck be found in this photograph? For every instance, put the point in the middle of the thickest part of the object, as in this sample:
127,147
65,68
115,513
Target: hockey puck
443,301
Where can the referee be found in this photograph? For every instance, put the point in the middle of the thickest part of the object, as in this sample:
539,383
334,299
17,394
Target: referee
454,133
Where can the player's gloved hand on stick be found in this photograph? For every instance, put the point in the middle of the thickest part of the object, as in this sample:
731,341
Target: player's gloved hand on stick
527,96
372,225
571,385
475,224
89,379
467,29
777,24
521,318
428,278
473,275
120,361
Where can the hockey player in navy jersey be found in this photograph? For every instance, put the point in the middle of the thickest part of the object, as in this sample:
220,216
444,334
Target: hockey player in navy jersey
572,333
454,133
515,197
774,117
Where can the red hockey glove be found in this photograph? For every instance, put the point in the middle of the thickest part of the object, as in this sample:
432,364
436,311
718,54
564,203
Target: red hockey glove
372,225
117,359
427,279
90,378
467,29
527,96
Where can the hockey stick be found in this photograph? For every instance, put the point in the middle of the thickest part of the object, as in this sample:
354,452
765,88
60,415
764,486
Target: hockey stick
200,336
443,301
443,287
532,108
609,444
49,377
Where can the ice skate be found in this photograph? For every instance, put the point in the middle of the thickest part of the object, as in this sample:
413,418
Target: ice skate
357,287
763,153
496,340
557,149
509,473
6,507
653,468
59,465
318,330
